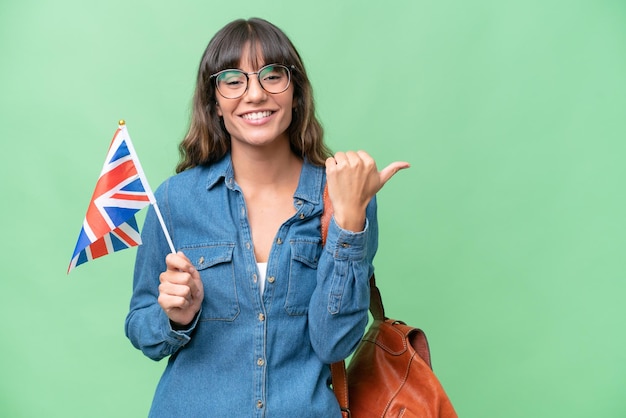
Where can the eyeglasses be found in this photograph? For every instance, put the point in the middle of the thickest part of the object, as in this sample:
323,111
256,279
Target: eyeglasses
233,83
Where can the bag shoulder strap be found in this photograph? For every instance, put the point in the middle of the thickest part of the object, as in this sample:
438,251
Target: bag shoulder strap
338,369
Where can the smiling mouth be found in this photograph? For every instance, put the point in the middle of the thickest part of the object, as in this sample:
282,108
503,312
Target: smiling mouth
257,115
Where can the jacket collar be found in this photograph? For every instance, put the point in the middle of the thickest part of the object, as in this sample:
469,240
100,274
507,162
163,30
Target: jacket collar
309,186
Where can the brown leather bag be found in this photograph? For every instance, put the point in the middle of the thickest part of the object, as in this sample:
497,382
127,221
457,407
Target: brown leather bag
390,373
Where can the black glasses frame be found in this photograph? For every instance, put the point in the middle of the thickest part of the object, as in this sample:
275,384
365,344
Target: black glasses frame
258,75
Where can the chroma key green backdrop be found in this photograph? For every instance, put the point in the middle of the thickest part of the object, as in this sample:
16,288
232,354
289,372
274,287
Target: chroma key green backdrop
505,241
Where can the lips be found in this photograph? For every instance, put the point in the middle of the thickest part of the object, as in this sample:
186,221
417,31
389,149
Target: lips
257,115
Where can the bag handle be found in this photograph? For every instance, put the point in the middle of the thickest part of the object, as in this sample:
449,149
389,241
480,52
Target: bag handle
338,369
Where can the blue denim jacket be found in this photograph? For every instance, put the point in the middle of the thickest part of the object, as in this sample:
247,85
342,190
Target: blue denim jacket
247,354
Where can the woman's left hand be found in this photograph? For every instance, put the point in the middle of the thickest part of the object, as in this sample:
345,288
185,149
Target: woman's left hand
353,179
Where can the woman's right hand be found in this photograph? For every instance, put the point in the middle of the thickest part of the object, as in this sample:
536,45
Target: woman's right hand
181,291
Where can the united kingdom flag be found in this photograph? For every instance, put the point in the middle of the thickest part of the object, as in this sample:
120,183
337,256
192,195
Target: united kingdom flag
122,190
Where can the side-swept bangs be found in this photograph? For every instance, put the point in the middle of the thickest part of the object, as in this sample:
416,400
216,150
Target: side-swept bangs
263,41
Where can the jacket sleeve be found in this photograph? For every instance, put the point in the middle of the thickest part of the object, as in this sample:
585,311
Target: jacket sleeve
147,326
338,311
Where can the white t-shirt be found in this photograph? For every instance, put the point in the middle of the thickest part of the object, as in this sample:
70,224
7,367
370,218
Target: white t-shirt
262,267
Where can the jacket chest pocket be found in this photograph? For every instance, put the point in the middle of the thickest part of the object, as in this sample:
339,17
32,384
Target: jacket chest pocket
302,275
214,262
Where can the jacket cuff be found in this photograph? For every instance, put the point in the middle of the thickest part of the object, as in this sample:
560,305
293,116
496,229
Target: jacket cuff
344,244
179,337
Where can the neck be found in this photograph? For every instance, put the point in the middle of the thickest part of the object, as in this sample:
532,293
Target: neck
265,167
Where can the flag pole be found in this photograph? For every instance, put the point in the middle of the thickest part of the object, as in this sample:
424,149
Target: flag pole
144,181
163,227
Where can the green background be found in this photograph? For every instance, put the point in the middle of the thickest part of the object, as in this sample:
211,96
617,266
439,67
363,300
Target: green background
504,241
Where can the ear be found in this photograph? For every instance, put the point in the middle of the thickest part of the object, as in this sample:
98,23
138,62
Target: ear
219,109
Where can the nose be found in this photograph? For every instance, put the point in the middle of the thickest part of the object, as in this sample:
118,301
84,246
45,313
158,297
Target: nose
255,92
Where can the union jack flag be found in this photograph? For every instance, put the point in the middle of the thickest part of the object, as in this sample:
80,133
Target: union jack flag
122,190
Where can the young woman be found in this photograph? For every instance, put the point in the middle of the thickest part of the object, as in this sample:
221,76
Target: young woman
252,309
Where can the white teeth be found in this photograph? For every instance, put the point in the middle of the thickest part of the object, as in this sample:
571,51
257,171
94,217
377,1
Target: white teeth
257,115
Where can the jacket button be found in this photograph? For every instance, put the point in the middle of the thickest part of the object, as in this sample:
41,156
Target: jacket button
260,362
271,279
259,404
261,317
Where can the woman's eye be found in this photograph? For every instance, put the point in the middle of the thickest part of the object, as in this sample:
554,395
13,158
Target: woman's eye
273,76
232,79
